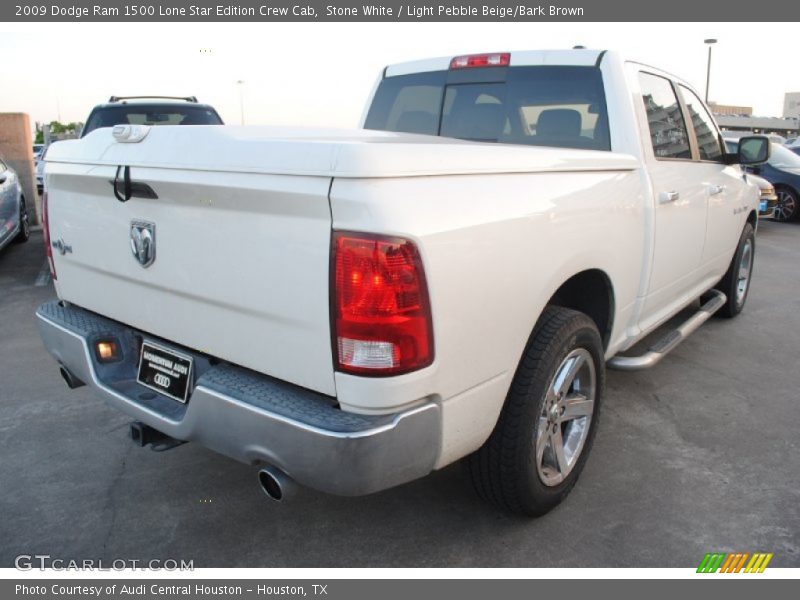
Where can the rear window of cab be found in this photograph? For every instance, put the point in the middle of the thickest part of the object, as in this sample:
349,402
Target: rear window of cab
561,106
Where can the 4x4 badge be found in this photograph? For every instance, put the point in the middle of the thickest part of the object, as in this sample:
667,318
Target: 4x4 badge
143,242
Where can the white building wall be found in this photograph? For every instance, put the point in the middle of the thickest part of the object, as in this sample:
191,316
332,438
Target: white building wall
791,105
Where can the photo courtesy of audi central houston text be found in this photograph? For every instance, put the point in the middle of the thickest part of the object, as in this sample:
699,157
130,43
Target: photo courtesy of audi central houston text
517,295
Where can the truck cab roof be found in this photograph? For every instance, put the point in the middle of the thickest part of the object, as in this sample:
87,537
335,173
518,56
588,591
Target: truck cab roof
575,57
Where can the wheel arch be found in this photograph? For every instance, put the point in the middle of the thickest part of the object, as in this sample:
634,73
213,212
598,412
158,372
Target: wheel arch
592,293
789,186
22,202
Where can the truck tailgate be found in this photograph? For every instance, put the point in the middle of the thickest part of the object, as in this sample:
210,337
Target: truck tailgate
241,261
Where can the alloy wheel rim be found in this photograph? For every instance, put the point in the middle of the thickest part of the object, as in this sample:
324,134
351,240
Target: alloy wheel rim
23,220
564,421
786,205
745,268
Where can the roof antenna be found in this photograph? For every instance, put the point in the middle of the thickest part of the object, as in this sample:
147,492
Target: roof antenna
579,47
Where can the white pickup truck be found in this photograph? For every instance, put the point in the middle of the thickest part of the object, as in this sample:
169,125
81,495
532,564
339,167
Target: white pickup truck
353,309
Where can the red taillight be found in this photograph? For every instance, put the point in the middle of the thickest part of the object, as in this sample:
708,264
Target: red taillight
495,59
379,305
48,248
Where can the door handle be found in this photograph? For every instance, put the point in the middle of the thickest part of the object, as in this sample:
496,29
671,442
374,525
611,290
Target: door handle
713,190
665,197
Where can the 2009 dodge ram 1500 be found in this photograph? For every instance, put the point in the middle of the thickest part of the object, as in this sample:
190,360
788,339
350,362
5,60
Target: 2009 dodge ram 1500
352,309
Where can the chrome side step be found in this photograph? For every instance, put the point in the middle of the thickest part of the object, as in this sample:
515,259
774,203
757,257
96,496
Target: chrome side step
668,343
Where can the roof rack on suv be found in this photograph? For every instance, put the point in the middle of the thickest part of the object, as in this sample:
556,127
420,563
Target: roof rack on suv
123,98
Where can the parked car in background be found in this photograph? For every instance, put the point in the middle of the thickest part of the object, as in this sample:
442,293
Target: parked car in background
768,199
40,171
13,212
782,171
150,110
735,135
38,164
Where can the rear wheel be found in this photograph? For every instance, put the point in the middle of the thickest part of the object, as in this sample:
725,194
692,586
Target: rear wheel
736,282
788,207
24,223
544,434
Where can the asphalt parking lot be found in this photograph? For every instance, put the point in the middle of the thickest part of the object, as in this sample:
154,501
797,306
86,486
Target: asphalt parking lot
699,454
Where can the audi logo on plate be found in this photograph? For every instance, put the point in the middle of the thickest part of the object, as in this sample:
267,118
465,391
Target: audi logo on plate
162,380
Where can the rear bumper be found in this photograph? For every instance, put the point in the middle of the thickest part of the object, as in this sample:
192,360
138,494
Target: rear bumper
250,417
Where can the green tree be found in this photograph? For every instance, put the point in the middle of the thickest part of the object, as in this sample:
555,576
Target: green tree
56,128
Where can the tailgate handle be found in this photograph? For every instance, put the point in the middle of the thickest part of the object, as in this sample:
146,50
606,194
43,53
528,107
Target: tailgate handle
126,184
130,189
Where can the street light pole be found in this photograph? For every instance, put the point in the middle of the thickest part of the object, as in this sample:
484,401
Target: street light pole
240,83
710,42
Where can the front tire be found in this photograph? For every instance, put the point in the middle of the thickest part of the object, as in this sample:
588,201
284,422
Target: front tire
736,282
545,432
788,206
24,223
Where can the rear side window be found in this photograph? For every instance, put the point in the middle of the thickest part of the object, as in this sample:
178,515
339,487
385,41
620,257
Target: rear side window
138,114
704,128
539,106
667,128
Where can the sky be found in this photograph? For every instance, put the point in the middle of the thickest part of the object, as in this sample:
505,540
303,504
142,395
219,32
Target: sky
320,74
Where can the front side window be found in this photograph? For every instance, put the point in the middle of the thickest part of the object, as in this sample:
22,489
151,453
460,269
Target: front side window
560,106
667,129
704,127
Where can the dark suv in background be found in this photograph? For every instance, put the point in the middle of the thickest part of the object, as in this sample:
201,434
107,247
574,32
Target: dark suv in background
782,170
151,110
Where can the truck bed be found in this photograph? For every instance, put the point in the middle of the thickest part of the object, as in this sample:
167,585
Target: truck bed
242,227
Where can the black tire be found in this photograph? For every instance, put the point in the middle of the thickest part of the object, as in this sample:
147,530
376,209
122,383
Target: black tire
788,207
729,284
24,223
505,471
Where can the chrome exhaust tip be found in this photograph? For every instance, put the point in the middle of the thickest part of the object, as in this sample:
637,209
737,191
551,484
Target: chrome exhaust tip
276,484
70,379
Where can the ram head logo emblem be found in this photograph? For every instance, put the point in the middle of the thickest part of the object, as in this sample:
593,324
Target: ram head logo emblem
143,242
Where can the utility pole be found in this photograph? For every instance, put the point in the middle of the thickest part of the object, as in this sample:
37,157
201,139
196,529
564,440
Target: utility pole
710,42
